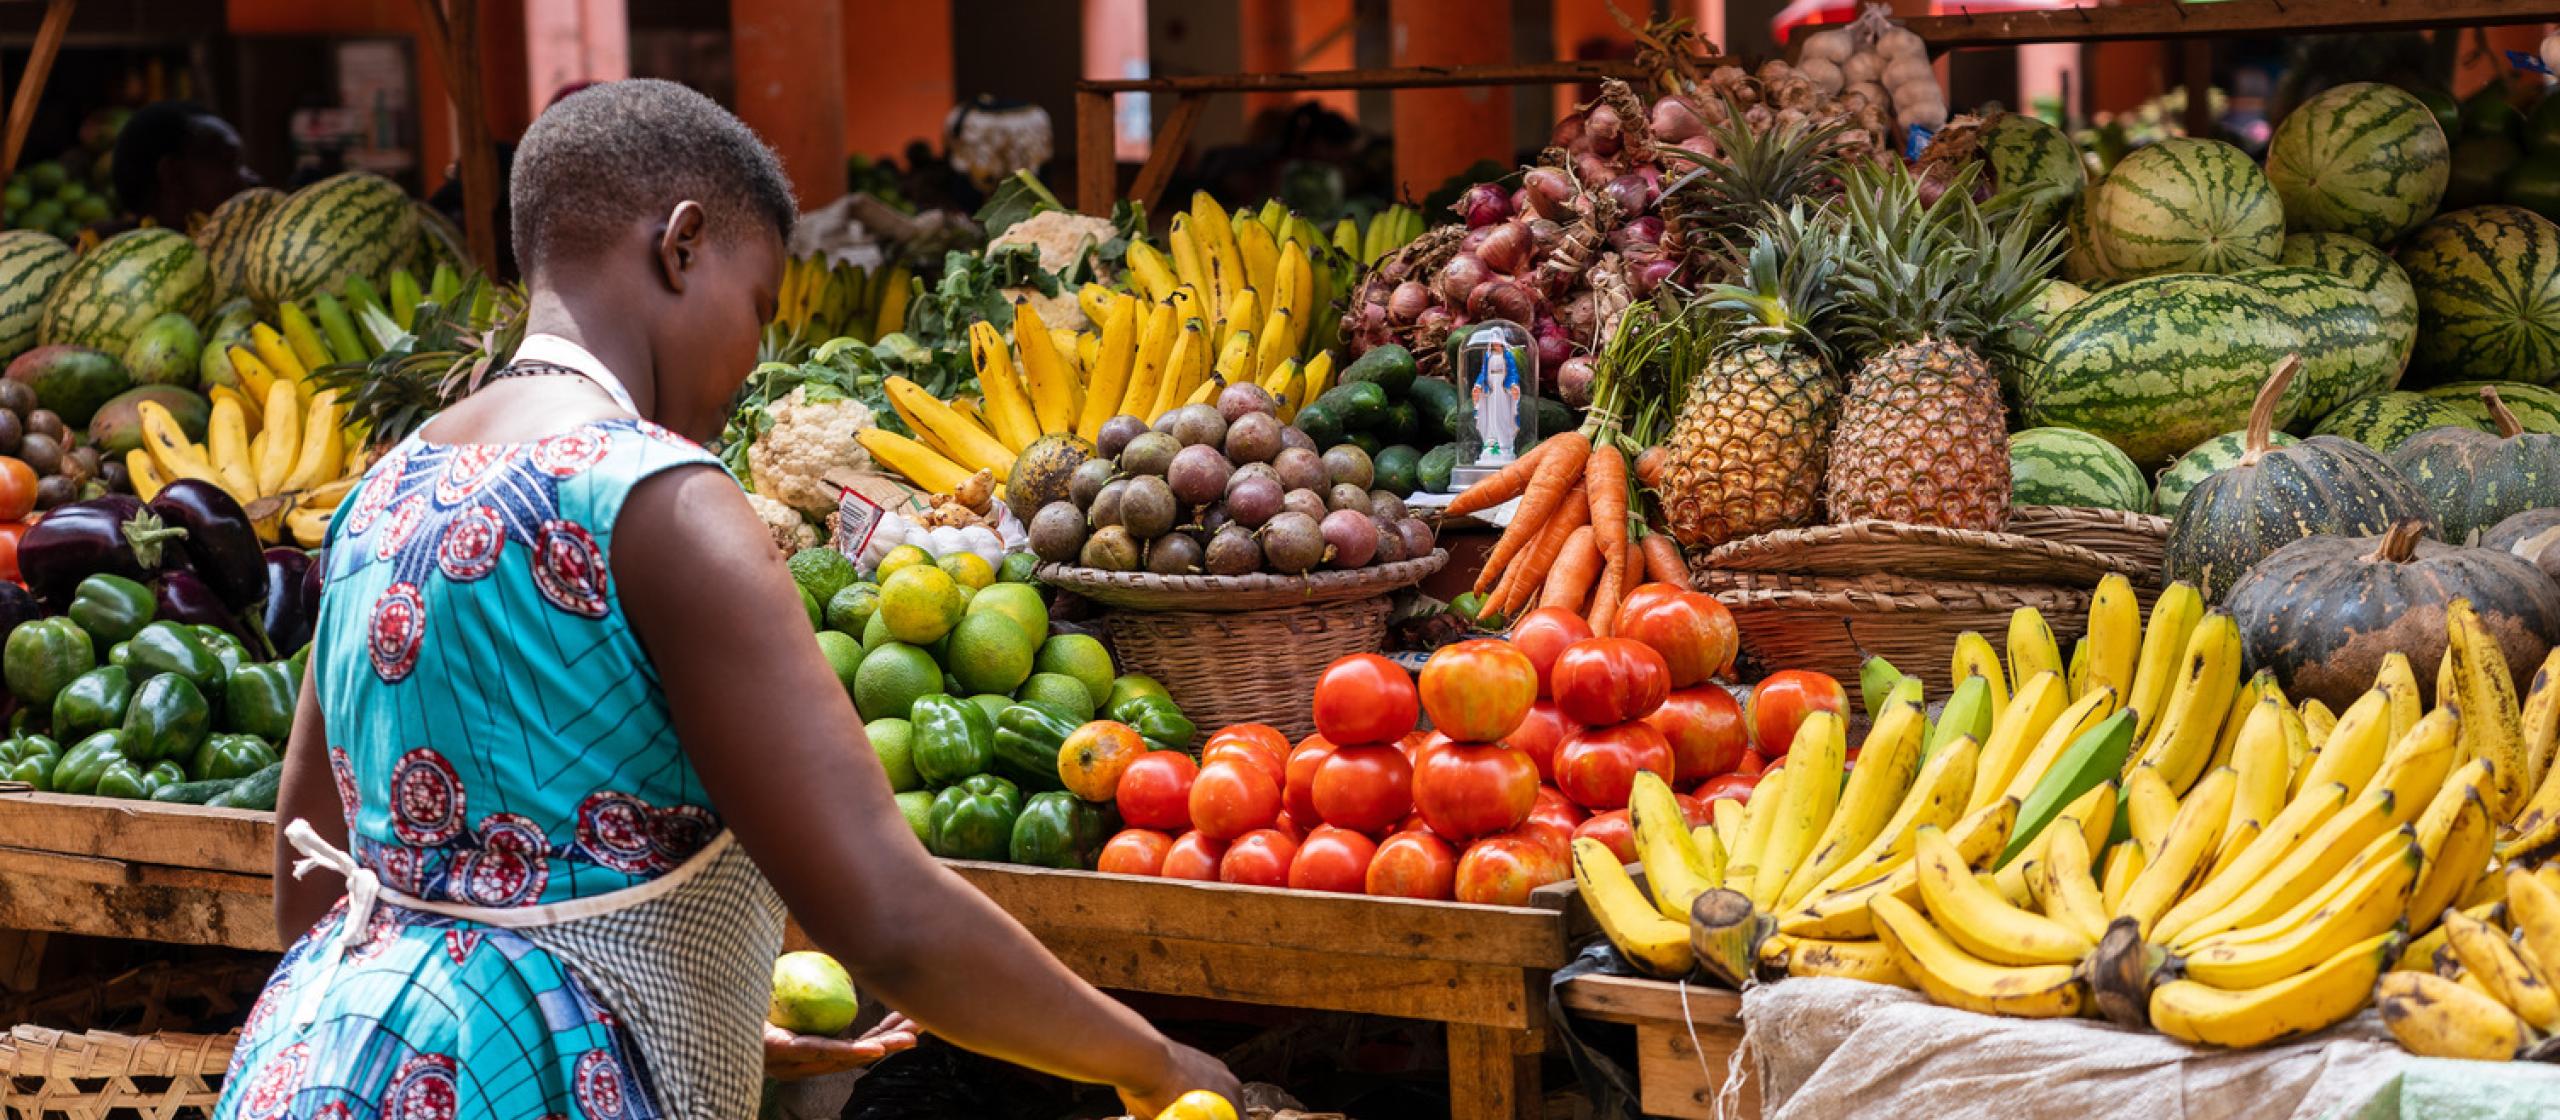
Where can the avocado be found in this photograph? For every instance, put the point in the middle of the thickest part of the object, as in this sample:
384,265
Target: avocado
164,352
1435,406
1320,424
1437,464
117,426
71,380
1398,469
1390,367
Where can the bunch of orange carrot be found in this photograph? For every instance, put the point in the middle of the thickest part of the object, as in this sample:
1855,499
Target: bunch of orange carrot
1570,543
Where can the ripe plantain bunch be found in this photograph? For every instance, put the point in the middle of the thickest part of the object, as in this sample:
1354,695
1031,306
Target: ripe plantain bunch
2276,860
276,441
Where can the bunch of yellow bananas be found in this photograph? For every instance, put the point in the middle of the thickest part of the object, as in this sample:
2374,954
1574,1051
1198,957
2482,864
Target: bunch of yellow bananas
2487,992
819,302
274,444
1267,272
1388,230
2280,857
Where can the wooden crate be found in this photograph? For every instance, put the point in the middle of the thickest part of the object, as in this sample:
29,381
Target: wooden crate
1684,1042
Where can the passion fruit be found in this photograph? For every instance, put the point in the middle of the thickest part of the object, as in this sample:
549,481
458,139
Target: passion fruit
1148,508
1197,424
1116,434
1105,509
1244,398
1111,549
1390,542
1301,469
1198,475
1148,454
1417,537
1347,463
1174,554
1292,543
1386,505
1254,437
1345,496
1307,502
1057,532
1291,437
1089,480
1253,501
1233,552
1350,538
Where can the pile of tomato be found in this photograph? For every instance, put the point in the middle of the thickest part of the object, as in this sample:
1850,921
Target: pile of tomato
1536,739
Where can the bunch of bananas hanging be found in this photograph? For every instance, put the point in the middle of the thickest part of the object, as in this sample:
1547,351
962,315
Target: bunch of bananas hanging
819,301
2279,859
275,442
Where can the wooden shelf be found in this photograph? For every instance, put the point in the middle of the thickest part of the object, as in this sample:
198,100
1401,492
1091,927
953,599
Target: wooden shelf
2222,19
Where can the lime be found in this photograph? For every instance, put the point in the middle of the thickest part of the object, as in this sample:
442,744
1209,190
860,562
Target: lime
894,740
843,654
903,556
921,603
891,678
822,572
971,569
1062,690
990,654
1079,656
1018,601
853,608
1017,567
812,994
875,633
1135,684
817,614
994,702
915,804
967,593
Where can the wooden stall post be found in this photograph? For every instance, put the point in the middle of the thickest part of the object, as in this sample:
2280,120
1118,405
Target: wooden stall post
22,106
453,32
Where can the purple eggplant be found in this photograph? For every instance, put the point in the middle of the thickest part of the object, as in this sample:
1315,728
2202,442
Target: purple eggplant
181,596
220,544
288,625
16,606
113,534
312,578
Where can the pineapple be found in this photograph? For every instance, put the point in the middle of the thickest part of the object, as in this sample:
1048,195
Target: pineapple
1747,173
420,371
1928,295
1747,447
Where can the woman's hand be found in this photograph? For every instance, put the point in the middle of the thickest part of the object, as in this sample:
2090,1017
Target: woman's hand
1185,1069
796,1057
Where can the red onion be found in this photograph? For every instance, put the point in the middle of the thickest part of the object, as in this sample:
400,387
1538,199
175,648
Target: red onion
1436,320
1373,318
1549,190
1501,299
1673,121
1407,301
1554,345
1574,378
1568,132
1601,126
1543,233
1645,231
1632,194
1592,169
1482,205
1647,276
1703,145
1508,248
1474,239
1459,277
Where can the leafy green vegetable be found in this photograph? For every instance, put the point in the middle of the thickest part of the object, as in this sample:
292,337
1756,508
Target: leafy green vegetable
840,369
972,288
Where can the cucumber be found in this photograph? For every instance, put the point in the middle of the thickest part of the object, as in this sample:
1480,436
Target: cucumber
1435,406
194,793
1398,469
1401,424
1390,367
1362,405
1320,423
1367,443
257,791
1554,417
1436,467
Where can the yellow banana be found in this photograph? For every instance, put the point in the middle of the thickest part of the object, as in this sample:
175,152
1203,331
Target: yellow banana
1008,410
1115,354
146,476
2538,724
1095,301
226,442
2298,1005
2300,818
302,337
1044,372
2317,722
2093,813
1954,978
1187,264
1272,345
2164,642
1844,914
277,353
924,466
2309,866
1152,274
2065,887
2486,953
1218,247
970,447
1814,760
2032,649
2486,693
2243,701
1673,866
2533,907
2437,1018
2369,904
2149,807
2399,680
2114,640
1184,370
1845,960
1887,762
1936,797
2455,853
255,377
2077,674
2020,728
2259,756
1759,817
281,433
2321,904
319,453
895,293
1657,945
2354,748
1147,370
1261,255
309,527
1974,657
1980,920
1235,361
2418,763
2084,714
1726,813
2184,852
2208,674
2124,863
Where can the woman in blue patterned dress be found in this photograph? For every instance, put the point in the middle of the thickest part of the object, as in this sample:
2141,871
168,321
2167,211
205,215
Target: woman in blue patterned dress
561,762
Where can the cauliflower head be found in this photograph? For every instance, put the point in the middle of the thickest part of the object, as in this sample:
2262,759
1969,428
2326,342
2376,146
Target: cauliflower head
808,439
791,532
1059,235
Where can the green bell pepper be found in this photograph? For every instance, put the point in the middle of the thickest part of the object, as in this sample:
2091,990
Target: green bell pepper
79,769
258,699
30,759
167,719
299,665
120,655
231,756
169,648
1157,721
974,819
1028,737
226,647
954,738
43,656
1059,829
94,701
111,608
119,778
160,776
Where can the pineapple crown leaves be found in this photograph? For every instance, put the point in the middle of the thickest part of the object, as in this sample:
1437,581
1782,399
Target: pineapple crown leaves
435,362
1919,267
1787,291
1753,171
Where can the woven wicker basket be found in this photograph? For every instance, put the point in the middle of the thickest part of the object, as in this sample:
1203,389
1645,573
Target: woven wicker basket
2135,541
1253,667
58,1075
1872,547
1147,591
1823,623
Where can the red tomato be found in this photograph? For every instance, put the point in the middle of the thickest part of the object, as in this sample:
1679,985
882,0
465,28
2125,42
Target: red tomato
1420,744
1413,823
1540,734
1365,699
1544,633
1364,789
1287,824
1681,627
1232,798
1645,595
1728,635
1251,754
1414,865
1752,762
1333,859
9,533
1726,787
17,489
1477,691
1465,790
1259,858
1263,735
1598,765
1556,809
1555,838
1155,791
1136,851
1704,726
1610,680
1614,830
1502,872
1781,702
1298,786
1193,856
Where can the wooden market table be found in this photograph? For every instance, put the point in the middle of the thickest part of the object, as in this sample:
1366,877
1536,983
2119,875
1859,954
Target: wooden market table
1685,1040
186,874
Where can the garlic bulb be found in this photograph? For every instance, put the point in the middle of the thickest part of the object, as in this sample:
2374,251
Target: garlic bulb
1901,42
1824,74
1831,46
1908,70
1929,113
1859,69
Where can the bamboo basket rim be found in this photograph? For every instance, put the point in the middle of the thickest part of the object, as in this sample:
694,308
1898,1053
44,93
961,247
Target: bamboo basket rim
1957,555
1150,592
2050,521
1879,593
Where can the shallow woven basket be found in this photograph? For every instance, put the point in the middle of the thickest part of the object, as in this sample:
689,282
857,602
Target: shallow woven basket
1827,623
2137,539
1872,547
1246,667
1147,591
60,1075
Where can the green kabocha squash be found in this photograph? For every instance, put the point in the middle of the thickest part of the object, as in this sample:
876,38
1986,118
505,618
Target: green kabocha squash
2533,535
2322,613
2275,496
2474,479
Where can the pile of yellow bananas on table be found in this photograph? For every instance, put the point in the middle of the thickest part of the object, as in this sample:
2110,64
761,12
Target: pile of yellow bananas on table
2276,859
273,443
819,301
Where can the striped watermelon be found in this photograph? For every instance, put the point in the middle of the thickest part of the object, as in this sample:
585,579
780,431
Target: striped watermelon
31,263
2347,348
2369,269
2488,283
2039,163
2362,159
2157,365
2052,298
2084,260
2382,420
353,224
2535,407
439,242
2186,206
130,279
2200,463
228,232
2068,467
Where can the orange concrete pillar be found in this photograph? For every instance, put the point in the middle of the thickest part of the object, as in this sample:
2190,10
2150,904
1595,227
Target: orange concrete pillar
1585,29
897,76
1270,47
572,41
789,56
2124,75
1323,33
1439,132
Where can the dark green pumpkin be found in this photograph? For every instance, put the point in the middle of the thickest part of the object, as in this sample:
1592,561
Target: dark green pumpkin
2533,535
2277,495
2473,480
2324,611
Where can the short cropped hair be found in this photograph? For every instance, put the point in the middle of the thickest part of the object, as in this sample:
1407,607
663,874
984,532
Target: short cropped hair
615,152
153,133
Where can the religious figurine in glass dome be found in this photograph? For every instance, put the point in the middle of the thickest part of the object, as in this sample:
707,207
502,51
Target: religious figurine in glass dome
1495,396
